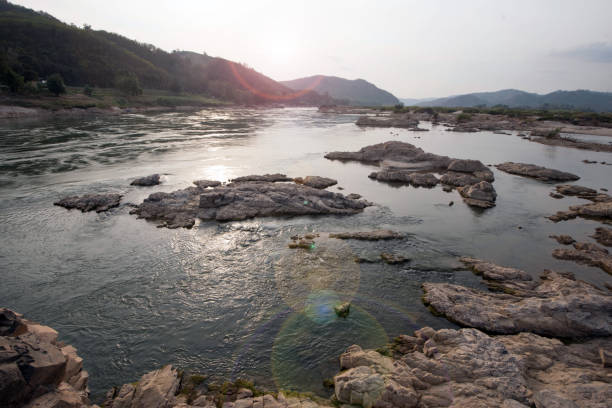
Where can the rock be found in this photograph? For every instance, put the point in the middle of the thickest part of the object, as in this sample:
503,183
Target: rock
597,210
244,393
393,259
375,235
467,166
563,239
557,306
588,254
603,236
342,309
242,200
316,181
538,172
202,184
90,202
154,389
458,179
35,370
556,195
406,176
481,195
451,203
393,120
147,181
270,178
574,190
354,196
447,189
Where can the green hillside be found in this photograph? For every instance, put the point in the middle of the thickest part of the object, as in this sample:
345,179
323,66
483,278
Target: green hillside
35,45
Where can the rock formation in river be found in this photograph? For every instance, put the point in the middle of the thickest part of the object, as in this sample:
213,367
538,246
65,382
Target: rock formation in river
603,236
469,369
147,181
35,369
404,162
481,194
588,254
537,172
557,305
90,202
316,181
246,197
601,211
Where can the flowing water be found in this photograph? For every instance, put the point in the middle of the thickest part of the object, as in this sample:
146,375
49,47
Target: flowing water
232,300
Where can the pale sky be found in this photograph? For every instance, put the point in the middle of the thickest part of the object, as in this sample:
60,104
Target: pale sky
411,48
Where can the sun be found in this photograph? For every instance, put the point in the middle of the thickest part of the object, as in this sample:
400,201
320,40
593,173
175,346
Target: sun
280,50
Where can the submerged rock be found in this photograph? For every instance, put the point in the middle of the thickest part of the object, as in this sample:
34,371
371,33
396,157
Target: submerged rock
481,195
36,369
147,181
316,181
393,259
563,239
375,235
538,172
603,236
468,368
90,202
242,200
556,306
586,253
343,309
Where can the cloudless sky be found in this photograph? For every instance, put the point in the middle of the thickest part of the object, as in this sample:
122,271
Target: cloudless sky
410,48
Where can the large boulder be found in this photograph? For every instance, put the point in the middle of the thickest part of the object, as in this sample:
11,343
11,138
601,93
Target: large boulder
481,194
36,370
556,305
156,389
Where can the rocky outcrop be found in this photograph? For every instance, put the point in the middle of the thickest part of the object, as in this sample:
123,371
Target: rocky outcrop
35,369
467,368
586,253
202,184
598,210
90,202
269,178
575,190
406,176
316,181
375,235
537,172
603,236
557,305
480,195
394,151
155,389
392,120
147,181
563,239
242,200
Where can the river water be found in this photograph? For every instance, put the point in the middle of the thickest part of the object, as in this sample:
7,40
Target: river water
231,300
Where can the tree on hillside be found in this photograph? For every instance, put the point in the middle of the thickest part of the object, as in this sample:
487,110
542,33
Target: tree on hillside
55,84
128,84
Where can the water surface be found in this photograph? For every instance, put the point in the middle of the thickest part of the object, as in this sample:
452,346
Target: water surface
231,299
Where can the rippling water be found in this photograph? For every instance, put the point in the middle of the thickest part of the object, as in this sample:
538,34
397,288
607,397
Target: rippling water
231,299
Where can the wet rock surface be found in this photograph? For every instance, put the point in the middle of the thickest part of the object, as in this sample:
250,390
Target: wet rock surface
480,195
557,305
375,235
468,368
240,200
537,172
563,239
601,211
586,253
35,369
147,181
316,181
90,202
603,236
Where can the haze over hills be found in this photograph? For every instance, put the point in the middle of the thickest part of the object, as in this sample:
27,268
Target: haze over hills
513,98
352,92
35,45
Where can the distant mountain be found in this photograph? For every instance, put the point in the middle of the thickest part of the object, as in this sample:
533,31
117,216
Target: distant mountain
353,92
35,44
581,99
414,101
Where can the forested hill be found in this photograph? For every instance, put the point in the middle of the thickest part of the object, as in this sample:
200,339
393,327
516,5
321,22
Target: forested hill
35,45
353,92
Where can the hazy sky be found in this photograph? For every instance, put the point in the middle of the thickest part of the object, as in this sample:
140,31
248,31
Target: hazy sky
410,48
